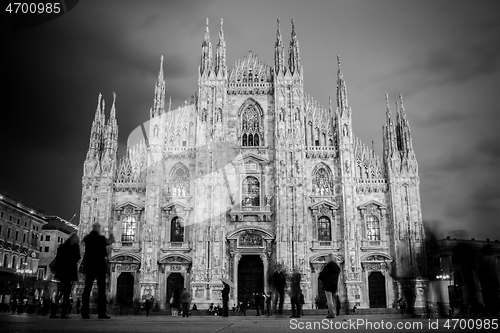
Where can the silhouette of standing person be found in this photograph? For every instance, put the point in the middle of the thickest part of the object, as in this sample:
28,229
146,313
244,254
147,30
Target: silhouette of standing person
95,265
295,293
225,300
147,306
330,276
68,255
185,299
488,277
279,282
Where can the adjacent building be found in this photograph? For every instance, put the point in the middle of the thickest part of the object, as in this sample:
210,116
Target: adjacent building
20,229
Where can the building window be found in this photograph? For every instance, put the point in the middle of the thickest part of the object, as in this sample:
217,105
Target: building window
24,238
180,182
46,249
128,229
322,183
250,192
372,228
251,127
324,229
1,227
41,274
17,235
47,238
18,221
5,260
10,217
13,263
1,215
8,233
177,230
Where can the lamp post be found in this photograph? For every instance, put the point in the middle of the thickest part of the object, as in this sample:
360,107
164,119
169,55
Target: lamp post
24,271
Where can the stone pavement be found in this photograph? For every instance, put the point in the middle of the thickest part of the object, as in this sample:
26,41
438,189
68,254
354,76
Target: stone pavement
10,323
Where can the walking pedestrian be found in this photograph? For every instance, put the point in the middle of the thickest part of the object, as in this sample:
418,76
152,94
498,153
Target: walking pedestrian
66,271
185,300
225,300
279,282
488,277
294,294
338,304
268,302
95,265
329,277
147,306
256,303
302,302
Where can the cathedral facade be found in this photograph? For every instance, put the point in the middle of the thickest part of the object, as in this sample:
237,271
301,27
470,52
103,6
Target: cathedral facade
249,173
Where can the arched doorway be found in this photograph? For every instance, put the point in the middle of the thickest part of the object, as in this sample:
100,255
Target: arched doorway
125,289
376,290
321,296
250,276
174,281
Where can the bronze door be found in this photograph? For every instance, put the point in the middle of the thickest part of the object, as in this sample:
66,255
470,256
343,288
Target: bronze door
125,288
174,281
250,276
376,290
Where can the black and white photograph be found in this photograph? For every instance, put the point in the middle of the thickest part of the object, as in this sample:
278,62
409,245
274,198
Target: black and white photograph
241,166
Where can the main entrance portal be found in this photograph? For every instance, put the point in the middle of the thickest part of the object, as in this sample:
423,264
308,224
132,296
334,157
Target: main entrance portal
376,290
250,276
174,281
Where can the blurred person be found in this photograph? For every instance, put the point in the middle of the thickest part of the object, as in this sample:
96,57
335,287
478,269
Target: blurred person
488,277
66,268
95,265
329,276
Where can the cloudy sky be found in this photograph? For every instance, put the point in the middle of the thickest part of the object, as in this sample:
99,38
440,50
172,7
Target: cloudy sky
443,56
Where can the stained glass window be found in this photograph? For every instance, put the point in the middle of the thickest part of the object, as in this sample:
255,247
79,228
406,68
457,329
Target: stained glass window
177,230
324,229
250,127
250,192
372,228
180,183
322,182
128,229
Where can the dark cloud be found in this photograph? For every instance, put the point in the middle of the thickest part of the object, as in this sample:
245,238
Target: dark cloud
439,117
460,60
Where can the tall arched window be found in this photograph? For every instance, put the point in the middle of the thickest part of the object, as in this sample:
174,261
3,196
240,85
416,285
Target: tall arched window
372,228
13,262
322,181
180,182
250,192
5,260
250,121
324,229
128,229
177,230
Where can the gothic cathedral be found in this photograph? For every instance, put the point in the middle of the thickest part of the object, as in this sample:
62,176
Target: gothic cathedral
249,173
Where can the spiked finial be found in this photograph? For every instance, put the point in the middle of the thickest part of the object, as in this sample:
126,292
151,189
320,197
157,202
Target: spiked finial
113,111
99,101
278,51
293,52
339,67
207,33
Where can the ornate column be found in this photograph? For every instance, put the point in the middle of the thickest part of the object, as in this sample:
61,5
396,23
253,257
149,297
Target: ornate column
263,257
237,257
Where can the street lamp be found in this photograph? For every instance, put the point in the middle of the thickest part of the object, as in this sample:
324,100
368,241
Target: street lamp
24,271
